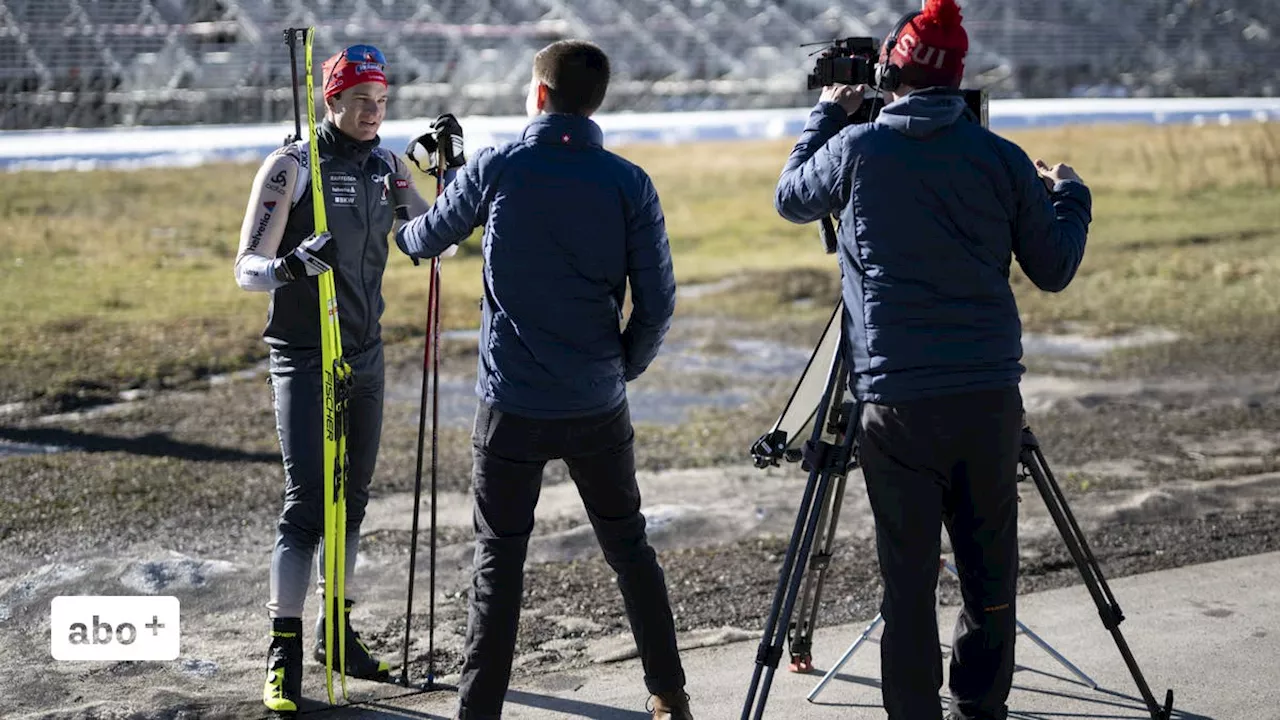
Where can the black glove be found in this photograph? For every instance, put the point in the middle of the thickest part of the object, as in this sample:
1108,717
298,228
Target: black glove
313,256
448,137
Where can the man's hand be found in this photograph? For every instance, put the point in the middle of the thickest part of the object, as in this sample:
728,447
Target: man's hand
313,256
848,97
1056,174
448,135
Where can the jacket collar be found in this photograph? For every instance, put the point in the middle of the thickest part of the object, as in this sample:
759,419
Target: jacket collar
337,143
564,129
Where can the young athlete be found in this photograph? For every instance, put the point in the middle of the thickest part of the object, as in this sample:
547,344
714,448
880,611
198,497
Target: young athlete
280,254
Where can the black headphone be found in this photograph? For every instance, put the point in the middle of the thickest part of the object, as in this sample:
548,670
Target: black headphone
888,75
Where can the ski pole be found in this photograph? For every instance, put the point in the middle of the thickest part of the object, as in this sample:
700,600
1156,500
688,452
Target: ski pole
290,39
430,370
417,482
435,436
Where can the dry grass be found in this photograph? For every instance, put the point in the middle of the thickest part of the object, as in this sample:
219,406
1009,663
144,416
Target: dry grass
120,279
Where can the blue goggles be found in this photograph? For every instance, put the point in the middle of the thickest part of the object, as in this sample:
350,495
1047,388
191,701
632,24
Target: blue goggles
365,54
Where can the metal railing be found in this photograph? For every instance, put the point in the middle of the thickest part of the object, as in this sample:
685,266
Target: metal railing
92,63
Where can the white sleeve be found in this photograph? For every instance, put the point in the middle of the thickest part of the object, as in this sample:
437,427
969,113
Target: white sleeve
256,273
265,218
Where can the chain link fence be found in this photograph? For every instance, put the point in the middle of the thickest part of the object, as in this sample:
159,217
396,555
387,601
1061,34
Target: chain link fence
95,63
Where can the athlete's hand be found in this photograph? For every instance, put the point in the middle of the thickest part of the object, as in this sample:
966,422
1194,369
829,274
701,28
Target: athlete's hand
313,256
400,193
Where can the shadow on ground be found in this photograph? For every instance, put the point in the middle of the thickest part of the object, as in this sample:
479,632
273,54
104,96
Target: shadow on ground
152,444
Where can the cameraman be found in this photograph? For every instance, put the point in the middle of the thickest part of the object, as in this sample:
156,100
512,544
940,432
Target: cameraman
933,207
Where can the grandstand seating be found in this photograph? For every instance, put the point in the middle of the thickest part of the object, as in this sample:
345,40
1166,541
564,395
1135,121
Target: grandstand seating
107,62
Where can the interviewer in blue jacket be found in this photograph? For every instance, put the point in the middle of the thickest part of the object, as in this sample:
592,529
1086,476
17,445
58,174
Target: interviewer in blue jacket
567,226
933,209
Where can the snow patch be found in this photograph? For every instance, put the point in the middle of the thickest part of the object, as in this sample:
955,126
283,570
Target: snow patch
12,449
192,145
11,408
178,572
1079,345
573,623
693,291
617,648
199,668
35,583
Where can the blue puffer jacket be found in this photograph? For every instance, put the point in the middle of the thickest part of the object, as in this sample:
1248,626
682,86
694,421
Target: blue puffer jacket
566,225
932,207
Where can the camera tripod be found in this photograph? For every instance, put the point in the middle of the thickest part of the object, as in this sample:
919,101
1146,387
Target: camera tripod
828,456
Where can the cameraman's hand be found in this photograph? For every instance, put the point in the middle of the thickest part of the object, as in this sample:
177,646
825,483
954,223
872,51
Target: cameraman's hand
1056,174
848,97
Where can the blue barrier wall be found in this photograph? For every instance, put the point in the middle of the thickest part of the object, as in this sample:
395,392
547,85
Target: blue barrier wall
185,146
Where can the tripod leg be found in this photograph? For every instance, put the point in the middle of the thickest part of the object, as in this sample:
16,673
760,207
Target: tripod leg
770,649
803,628
789,575
792,590
1108,609
1057,656
1038,641
848,654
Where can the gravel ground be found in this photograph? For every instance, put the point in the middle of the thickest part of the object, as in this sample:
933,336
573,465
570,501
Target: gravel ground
200,469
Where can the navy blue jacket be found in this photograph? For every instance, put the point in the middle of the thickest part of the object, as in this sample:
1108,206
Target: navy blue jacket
932,207
566,225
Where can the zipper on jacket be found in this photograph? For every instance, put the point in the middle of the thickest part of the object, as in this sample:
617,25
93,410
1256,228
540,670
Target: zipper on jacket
364,253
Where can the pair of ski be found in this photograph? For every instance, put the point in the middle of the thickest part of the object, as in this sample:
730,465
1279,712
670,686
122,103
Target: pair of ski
337,381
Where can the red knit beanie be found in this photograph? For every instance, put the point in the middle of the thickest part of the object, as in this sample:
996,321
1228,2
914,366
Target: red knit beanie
931,48
352,66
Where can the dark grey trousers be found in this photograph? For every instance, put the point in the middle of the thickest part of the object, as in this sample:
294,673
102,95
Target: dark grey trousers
949,461
510,454
296,381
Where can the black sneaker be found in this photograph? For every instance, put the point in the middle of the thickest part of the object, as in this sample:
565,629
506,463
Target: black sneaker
283,688
360,662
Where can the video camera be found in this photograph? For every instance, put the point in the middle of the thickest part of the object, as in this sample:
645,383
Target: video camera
848,61
853,60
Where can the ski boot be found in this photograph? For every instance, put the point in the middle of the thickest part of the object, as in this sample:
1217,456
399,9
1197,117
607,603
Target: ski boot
360,662
283,688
